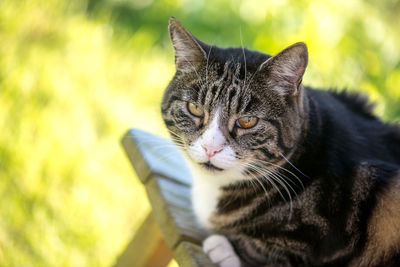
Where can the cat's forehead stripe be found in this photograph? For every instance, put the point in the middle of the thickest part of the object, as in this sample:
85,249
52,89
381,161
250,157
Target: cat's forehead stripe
227,84
219,85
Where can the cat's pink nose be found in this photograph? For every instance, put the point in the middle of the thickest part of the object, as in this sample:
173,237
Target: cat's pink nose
211,151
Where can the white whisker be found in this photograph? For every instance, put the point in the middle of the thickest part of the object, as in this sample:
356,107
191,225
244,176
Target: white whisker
284,169
208,57
270,176
293,165
244,57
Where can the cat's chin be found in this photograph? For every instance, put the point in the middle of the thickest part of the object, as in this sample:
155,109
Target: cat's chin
210,167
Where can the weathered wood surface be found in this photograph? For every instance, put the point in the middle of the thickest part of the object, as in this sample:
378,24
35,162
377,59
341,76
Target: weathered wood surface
189,254
172,209
167,179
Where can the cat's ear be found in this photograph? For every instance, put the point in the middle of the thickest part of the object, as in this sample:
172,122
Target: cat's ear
285,70
188,52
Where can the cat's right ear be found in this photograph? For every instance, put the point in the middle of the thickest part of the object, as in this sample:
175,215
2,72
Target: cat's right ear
188,52
285,70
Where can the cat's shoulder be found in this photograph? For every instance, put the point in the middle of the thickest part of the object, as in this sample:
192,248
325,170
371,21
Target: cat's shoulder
356,102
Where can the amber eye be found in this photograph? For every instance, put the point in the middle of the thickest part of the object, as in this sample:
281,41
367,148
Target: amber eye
195,110
246,122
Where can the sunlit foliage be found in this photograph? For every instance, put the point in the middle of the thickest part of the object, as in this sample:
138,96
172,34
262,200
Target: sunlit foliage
74,75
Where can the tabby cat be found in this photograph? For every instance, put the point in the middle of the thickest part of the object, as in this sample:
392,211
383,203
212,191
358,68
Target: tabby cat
283,175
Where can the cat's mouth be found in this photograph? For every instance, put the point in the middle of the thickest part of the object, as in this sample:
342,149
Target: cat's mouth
209,166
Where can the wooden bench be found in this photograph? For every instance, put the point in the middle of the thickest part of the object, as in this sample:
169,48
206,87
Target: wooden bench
171,229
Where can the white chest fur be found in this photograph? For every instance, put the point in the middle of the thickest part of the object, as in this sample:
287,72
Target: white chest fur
206,191
205,199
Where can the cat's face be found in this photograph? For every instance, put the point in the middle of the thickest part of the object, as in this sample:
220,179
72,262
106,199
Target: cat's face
234,110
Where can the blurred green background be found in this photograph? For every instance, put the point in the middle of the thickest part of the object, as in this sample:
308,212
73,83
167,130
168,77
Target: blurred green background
75,75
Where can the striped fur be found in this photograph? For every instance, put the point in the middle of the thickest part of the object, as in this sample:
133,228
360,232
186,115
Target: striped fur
315,183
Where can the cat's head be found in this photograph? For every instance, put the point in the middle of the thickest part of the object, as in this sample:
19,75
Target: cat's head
234,110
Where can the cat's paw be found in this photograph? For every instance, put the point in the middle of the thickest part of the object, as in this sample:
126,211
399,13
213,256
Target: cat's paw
220,251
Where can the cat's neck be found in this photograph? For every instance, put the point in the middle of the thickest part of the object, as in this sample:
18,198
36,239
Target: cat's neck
206,190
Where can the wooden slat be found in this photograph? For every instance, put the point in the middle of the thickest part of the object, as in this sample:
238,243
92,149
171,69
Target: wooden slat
147,242
162,169
191,255
151,154
173,211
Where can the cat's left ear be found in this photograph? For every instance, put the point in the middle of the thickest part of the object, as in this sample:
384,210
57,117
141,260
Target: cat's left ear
188,52
285,70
